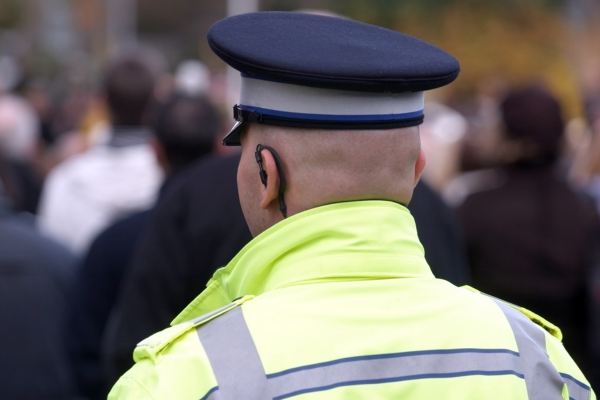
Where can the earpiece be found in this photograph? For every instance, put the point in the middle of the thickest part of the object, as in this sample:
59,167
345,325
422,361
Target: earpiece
262,172
264,176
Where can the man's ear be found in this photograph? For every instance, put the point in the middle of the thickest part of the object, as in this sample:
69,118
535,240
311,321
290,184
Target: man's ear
420,165
269,197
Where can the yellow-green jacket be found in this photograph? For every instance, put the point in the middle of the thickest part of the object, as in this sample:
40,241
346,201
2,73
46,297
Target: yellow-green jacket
339,303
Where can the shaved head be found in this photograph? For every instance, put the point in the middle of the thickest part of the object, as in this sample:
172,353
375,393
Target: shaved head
329,166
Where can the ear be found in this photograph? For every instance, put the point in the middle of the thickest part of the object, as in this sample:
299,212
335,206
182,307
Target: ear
420,165
270,192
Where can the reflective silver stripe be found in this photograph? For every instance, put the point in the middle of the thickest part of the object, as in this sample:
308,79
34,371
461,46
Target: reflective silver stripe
541,377
394,368
240,374
577,390
233,358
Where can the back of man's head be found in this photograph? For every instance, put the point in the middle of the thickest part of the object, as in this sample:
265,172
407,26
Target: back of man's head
329,166
128,89
336,127
186,127
532,117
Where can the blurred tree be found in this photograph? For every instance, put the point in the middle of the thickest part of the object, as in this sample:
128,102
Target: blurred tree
385,12
179,30
11,13
291,5
505,41
511,41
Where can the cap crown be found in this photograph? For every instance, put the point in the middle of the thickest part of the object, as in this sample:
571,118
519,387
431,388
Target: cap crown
327,52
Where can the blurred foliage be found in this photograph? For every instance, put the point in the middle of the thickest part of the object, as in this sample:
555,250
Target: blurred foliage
11,13
155,18
384,12
43,65
498,43
292,5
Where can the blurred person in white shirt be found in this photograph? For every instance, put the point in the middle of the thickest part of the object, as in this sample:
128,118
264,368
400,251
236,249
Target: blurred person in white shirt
118,176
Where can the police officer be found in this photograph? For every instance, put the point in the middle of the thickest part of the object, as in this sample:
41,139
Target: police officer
333,298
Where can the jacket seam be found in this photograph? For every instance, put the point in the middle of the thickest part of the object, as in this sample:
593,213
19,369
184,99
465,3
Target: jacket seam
140,386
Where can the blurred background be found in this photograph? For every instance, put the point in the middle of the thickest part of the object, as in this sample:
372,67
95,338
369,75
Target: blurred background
52,52
102,100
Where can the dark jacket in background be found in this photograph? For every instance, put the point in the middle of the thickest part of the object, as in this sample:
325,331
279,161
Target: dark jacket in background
35,274
197,228
23,185
531,241
439,232
93,296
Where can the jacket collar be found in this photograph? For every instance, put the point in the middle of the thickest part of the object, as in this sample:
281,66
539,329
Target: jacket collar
361,240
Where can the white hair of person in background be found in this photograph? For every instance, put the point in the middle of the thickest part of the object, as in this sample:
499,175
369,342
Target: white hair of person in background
441,136
192,78
18,128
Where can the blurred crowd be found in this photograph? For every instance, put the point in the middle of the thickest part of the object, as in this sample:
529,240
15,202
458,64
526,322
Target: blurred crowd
117,204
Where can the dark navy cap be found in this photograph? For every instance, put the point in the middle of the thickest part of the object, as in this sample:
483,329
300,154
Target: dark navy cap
318,72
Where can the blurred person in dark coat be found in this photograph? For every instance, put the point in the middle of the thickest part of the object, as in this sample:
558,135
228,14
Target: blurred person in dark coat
185,128
531,238
18,143
440,233
197,227
586,173
35,274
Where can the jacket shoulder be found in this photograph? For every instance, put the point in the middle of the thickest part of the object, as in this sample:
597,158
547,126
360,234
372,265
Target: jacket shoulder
536,319
152,346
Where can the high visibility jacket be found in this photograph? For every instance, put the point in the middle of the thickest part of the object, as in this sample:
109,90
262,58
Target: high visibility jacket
338,303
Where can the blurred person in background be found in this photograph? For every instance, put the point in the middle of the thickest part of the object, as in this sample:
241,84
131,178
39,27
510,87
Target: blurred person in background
192,78
35,274
18,128
531,238
185,129
63,123
440,234
586,174
84,194
18,143
437,224
197,227
586,170
39,98
594,331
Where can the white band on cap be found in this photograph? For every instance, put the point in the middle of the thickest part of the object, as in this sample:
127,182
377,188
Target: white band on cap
303,102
